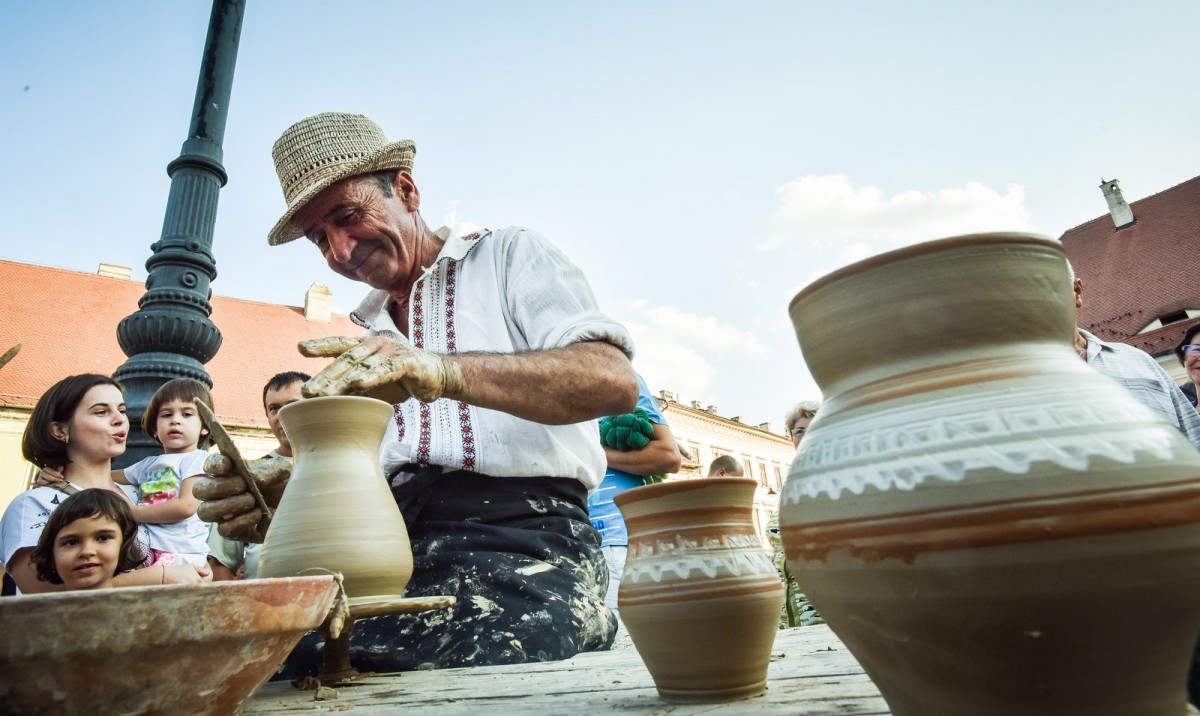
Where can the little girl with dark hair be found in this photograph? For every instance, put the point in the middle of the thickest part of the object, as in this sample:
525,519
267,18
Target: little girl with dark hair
87,541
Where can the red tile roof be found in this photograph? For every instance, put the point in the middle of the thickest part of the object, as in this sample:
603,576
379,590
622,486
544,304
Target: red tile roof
1141,272
67,322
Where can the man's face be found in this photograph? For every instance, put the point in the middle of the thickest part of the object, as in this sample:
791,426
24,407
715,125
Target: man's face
799,428
274,401
365,235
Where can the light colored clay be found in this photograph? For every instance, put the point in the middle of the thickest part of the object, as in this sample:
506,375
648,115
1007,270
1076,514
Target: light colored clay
990,525
699,595
338,512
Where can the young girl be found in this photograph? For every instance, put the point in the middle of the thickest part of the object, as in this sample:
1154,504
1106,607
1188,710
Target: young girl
90,539
165,501
78,426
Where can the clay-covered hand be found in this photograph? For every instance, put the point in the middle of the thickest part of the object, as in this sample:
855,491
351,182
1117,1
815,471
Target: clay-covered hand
381,368
49,476
226,501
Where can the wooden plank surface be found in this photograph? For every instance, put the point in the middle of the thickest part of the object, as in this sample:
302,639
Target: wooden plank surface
811,673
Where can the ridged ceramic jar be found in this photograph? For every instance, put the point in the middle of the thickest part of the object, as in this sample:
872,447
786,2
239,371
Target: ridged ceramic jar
988,524
699,594
337,512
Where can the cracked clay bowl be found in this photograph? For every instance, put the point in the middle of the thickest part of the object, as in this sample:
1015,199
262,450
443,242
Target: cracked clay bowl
176,649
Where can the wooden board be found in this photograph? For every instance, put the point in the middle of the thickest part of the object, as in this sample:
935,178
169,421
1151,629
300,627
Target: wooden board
811,673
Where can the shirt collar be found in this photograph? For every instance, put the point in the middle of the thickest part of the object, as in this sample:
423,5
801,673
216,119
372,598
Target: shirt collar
372,313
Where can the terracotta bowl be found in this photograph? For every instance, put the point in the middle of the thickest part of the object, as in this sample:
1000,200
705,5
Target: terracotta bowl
153,650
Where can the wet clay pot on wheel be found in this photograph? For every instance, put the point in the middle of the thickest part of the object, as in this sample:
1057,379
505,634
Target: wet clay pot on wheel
699,596
337,512
987,523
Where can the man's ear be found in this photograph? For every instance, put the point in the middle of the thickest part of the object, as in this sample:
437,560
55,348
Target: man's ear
406,189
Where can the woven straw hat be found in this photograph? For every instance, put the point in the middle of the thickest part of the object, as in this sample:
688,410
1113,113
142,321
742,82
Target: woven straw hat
317,152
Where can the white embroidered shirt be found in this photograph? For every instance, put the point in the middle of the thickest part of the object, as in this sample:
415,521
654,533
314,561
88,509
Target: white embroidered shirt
505,291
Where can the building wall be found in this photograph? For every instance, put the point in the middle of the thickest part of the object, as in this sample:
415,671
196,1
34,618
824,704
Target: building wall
15,473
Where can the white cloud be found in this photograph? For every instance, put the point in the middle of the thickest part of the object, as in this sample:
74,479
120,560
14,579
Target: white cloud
830,210
457,228
674,347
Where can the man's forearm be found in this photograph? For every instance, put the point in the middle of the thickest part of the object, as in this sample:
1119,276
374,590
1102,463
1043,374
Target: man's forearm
556,387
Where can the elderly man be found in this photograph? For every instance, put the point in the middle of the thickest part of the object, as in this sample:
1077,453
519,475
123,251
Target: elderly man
1145,378
498,361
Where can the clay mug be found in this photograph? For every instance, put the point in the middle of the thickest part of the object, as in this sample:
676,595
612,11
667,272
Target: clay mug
699,595
337,512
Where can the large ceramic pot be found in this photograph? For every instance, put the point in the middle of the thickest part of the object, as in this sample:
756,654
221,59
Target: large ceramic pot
337,512
699,595
990,525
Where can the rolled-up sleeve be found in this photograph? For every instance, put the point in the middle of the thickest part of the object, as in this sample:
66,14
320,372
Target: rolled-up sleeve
551,301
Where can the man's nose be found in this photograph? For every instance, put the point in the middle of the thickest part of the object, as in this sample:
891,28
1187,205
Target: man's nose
341,245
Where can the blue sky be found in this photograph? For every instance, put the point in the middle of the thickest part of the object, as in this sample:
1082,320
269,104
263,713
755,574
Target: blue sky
702,161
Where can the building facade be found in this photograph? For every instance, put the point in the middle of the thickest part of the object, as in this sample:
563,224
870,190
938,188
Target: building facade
65,322
704,435
1136,264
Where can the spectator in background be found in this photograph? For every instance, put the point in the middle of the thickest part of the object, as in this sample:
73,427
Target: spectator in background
725,466
1188,353
1138,372
637,446
233,559
797,610
797,419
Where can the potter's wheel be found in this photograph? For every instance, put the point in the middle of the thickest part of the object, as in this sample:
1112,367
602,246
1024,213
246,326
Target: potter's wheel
363,607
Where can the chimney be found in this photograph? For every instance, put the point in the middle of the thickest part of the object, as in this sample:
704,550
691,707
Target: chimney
764,426
1122,215
711,409
114,271
318,303
696,404
667,395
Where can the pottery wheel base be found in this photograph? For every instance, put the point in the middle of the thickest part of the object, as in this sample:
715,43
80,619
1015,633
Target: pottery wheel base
337,666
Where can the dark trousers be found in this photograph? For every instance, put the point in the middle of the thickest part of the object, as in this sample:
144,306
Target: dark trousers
522,558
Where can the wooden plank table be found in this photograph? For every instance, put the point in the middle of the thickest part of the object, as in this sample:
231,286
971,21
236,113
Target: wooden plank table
811,673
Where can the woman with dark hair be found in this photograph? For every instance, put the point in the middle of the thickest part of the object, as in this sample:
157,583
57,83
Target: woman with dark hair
1188,353
78,427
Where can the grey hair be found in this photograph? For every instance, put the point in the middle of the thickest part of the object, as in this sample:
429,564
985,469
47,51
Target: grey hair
803,409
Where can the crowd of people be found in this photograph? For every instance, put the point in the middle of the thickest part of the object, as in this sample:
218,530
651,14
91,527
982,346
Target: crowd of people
499,363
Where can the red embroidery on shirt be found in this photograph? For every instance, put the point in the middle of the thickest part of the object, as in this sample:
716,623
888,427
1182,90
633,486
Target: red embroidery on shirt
466,427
